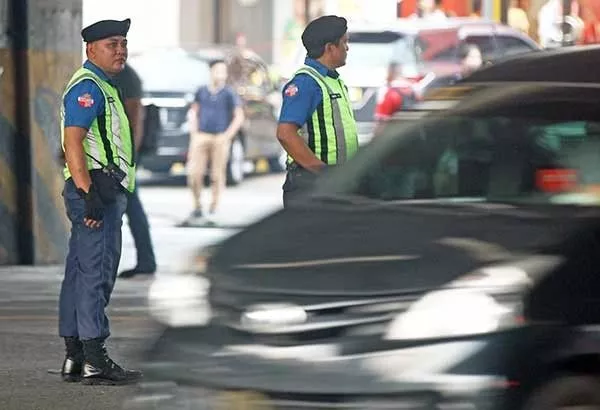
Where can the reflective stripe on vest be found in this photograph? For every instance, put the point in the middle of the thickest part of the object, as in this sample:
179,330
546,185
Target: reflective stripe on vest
109,137
332,124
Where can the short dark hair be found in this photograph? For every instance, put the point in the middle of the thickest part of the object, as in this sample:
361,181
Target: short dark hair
213,63
319,51
438,2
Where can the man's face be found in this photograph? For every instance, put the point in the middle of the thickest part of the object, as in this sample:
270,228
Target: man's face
340,51
110,54
219,73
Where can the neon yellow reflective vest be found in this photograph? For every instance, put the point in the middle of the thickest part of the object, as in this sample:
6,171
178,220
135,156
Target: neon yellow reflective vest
331,131
109,137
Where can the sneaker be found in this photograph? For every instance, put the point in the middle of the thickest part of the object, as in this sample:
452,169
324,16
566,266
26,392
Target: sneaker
197,213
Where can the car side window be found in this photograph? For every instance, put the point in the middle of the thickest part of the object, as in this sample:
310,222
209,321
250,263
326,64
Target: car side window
487,159
509,45
445,159
485,44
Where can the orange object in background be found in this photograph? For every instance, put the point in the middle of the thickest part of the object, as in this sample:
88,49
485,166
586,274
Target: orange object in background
556,180
456,8
590,14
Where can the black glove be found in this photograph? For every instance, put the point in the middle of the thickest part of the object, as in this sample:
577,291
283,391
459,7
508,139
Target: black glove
94,207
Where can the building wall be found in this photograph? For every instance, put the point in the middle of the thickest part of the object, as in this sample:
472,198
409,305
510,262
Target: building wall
196,23
255,21
154,23
54,54
8,193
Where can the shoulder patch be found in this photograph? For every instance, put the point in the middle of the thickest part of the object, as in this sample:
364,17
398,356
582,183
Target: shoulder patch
291,90
85,100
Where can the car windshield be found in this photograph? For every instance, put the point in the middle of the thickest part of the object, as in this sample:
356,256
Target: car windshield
485,159
172,71
377,49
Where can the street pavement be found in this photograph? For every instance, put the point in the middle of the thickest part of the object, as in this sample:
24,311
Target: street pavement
29,346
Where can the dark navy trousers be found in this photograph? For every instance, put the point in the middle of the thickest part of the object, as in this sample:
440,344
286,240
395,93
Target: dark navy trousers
91,268
140,230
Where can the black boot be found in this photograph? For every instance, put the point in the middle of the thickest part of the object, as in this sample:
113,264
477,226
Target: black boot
71,368
98,368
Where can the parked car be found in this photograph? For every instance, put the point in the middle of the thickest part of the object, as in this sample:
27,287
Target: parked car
451,264
170,79
428,53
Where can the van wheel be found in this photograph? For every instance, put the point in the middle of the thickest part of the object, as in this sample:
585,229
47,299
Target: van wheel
569,392
235,166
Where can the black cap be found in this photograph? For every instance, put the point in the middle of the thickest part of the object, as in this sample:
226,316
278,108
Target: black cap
323,30
104,29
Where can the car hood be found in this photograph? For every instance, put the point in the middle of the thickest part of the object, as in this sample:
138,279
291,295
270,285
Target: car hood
357,250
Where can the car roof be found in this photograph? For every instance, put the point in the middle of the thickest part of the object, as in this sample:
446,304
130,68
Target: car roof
413,26
494,99
565,65
464,26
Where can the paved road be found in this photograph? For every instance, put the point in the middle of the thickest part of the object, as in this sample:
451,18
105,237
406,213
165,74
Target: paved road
28,300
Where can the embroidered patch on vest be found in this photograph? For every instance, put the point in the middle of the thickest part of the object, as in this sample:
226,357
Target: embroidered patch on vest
291,90
85,100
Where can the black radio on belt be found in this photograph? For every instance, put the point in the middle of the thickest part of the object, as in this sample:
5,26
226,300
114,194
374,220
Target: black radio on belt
115,172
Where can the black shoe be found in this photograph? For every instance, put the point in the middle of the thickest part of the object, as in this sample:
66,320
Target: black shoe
100,369
73,364
130,273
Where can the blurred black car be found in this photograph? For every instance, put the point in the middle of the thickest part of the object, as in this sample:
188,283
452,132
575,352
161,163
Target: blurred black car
452,264
170,79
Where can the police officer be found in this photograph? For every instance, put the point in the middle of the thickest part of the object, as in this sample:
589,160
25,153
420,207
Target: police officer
99,172
316,124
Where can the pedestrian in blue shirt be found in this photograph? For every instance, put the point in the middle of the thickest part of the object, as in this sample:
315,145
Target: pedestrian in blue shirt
217,116
316,124
99,174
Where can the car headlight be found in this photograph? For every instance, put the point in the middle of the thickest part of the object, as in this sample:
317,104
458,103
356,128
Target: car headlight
272,317
180,300
453,312
486,300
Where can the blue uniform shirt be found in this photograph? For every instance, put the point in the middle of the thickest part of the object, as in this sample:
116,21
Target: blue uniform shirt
85,101
302,95
216,110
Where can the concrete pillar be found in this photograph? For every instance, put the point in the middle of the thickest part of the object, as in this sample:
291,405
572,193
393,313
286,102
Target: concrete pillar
254,20
197,23
8,192
46,50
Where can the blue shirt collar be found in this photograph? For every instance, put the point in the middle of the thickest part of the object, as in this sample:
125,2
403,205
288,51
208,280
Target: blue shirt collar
324,71
96,70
